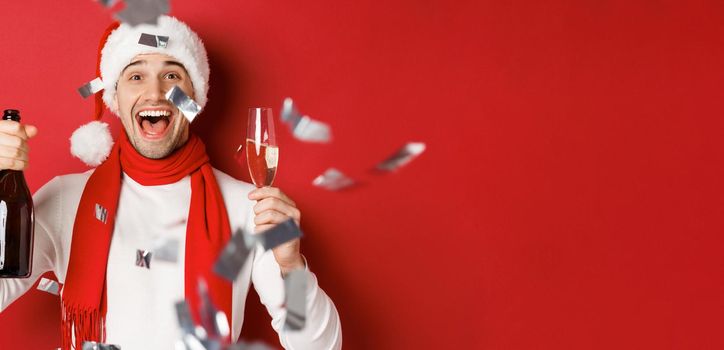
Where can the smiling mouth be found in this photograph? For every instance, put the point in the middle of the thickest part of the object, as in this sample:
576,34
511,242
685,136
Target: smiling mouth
154,123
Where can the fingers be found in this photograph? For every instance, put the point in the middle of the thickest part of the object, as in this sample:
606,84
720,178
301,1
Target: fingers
31,131
13,141
13,144
14,164
14,153
16,129
273,207
267,192
14,134
270,217
261,228
277,205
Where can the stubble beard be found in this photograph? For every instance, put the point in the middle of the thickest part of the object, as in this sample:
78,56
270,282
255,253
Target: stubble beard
154,150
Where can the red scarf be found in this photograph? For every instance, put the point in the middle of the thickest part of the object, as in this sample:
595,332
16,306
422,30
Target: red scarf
207,230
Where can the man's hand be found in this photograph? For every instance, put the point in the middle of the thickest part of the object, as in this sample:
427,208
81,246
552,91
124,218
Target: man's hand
274,207
14,144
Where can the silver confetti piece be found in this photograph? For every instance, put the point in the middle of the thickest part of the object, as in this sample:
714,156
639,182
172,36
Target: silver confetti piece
233,256
196,336
242,345
333,180
153,40
91,87
49,286
143,258
192,343
210,314
166,249
142,12
107,3
200,332
184,103
183,315
101,213
222,324
91,345
403,156
304,128
211,344
290,114
311,130
295,287
237,346
279,234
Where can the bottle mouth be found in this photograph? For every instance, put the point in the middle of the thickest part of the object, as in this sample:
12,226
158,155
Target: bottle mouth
11,114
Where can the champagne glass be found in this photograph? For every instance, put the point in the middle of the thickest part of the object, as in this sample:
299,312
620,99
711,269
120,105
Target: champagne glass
262,153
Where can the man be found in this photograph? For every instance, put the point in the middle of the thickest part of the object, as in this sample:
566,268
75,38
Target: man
155,185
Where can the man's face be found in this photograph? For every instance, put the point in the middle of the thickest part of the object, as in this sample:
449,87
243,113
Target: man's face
154,126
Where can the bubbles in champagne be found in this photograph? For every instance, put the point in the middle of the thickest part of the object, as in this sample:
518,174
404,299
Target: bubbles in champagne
262,160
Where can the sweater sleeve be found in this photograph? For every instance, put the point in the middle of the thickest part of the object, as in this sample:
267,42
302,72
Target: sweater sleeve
45,213
322,329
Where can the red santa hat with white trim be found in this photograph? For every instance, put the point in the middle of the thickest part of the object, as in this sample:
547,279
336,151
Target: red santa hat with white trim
92,142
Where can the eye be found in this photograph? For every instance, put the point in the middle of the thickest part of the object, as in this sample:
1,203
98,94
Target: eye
135,77
172,76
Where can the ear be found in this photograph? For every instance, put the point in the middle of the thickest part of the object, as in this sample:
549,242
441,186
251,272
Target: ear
114,105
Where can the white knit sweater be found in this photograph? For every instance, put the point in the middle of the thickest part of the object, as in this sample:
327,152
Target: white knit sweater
141,301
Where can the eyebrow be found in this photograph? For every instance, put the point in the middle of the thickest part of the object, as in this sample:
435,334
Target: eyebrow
165,63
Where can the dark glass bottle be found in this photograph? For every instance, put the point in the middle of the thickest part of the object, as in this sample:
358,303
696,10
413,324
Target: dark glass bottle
16,220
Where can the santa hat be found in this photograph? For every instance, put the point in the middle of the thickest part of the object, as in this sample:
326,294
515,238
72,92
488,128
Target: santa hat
92,142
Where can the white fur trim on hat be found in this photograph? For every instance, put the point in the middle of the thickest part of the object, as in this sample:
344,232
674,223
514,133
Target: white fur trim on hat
91,143
183,44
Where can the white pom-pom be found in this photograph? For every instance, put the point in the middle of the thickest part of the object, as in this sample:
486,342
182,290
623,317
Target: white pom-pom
91,143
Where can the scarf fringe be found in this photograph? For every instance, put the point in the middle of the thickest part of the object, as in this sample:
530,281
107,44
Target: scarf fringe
81,324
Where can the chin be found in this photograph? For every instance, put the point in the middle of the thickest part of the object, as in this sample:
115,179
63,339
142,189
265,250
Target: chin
154,149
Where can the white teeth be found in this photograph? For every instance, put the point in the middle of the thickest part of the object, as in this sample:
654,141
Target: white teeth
154,113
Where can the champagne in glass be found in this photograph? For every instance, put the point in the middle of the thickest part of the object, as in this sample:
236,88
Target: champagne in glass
262,153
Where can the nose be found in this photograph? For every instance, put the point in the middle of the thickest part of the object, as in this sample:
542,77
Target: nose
156,91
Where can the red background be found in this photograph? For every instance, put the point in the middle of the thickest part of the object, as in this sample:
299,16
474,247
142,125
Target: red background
570,196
